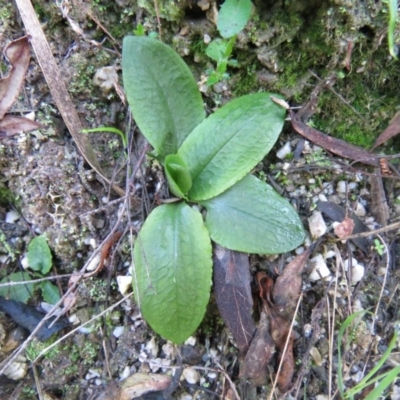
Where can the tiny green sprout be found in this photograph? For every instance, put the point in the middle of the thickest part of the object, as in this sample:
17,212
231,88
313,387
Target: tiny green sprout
111,130
139,31
379,247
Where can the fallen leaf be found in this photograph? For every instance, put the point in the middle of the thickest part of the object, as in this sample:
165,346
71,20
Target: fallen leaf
18,54
379,204
233,294
11,125
345,228
287,287
331,144
338,213
279,330
262,348
392,130
139,384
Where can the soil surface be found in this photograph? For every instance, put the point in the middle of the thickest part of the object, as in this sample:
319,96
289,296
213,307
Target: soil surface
332,52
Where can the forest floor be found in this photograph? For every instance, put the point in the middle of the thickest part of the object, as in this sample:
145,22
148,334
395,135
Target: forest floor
330,59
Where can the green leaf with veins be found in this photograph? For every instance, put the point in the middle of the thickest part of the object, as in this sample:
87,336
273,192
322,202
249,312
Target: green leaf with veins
251,217
229,143
161,92
172,276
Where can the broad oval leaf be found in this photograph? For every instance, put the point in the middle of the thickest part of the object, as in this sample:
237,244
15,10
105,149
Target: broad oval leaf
178,175
161,92
233,17
21,292
253,218
172,276
39,255
229,143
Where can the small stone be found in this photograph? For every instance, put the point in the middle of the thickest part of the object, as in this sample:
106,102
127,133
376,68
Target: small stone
124,284
25,262
206,39
191,341
316,356
284,151
347,262
317,225
125,373
319,268
105,78
357,273
191,375
152,347
359,210
203,4
12,216
17,369
169,350
341,187
184,31
118,331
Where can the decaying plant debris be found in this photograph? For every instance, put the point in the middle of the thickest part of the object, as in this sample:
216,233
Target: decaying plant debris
44,177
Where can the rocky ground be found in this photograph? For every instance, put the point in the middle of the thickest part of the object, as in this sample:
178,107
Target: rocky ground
332,52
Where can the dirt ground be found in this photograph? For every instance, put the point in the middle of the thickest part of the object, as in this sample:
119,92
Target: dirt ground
333,52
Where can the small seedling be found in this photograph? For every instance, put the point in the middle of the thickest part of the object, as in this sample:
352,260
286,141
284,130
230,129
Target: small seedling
379,247
40,261
232,18
380,382
207,161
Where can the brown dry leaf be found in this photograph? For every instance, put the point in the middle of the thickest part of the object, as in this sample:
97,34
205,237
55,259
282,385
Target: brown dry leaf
392,130
279,330
287,287
261,350
345,228
138,384
331,144
11,125
233,294
18,54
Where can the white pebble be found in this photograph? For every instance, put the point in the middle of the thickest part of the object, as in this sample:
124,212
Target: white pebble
169,350
299,250
118,331
357,273
12,216
359,210
353,185
322,197
347,262
25,262
152,347
319,268
317,225
190,341
206,39
341,187
284,151
125,373
191,375
124,284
